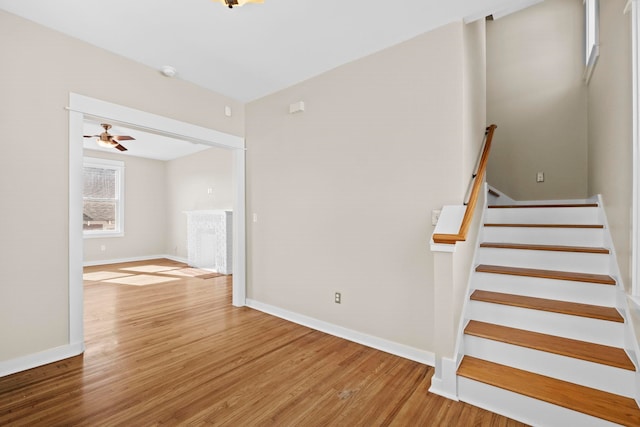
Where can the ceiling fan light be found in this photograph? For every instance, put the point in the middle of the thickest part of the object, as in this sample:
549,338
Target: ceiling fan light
232,3
106,143
241,2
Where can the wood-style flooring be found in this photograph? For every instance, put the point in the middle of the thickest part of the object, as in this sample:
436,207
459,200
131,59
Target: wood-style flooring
171,352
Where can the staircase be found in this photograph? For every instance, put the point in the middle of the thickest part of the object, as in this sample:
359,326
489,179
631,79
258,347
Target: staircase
544,340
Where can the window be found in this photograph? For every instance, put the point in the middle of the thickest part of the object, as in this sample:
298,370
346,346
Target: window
592,42
102,196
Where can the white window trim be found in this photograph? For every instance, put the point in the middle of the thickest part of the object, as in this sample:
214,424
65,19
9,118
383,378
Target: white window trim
118,166
591,37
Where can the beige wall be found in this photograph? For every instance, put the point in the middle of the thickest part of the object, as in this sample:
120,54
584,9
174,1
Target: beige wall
188,181
536,96
157,194
475,93
145,219
610,127
343,191
474,126
451,273
39,69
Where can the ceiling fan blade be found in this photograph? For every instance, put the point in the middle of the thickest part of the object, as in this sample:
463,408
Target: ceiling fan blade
91,136
123,138
120,147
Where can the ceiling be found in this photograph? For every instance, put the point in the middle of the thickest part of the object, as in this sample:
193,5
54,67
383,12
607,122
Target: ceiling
251,51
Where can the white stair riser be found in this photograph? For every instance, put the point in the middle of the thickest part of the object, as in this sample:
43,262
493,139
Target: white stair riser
563,290
542,216
522,408
563,325
545,236
577,371
546,260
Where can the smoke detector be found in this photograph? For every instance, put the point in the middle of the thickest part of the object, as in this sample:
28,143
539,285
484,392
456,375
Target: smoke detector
168,71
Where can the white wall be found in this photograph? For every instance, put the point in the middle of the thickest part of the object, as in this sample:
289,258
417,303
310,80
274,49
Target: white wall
188,180
536,96
610,127
343,191
39,69
145,219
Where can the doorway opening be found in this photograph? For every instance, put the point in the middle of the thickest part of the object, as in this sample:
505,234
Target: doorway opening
81,109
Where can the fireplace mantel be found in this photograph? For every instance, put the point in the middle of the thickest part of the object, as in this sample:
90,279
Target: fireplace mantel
209,240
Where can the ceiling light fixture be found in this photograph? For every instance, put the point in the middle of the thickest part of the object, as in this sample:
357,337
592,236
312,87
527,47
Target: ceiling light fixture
232,3
106,143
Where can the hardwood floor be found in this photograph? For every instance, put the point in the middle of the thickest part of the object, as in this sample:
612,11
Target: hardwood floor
178,353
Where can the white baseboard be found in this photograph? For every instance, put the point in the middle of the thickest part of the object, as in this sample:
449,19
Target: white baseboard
387,346
133,259
176,258
30,361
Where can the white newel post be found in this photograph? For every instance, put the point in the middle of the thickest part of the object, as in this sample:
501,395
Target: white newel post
444,381
453,266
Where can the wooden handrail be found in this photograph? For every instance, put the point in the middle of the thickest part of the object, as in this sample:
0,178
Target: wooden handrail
451,239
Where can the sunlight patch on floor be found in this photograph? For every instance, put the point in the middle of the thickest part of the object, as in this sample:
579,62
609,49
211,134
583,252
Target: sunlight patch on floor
188,272
141,280
150,268
103,275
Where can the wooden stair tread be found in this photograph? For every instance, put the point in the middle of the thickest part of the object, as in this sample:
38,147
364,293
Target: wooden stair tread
544,225
553,248
597,403
493,193
547,274
551,205
553,306
597,353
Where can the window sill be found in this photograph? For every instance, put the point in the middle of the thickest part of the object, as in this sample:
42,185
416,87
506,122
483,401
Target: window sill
103,235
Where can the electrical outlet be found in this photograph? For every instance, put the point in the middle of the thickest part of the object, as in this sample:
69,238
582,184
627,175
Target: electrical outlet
103,248
540,177
338,298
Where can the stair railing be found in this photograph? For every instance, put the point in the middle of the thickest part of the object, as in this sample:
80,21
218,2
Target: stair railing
475,184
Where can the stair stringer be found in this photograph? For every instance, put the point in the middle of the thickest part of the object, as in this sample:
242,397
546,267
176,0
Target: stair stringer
631,344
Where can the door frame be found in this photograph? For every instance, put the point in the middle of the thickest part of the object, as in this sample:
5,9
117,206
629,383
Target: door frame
81,107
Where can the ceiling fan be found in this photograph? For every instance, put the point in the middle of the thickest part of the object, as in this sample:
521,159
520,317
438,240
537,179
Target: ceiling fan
231,3
105,139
